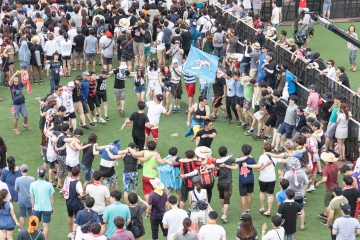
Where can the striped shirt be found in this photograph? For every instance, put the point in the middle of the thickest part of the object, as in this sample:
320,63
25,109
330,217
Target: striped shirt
189,79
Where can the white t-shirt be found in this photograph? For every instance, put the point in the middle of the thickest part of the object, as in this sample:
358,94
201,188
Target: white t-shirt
268,174
72,33
125,6
330,73
58,40
154,112
99,193
153,75
205,21
161,45
174,219
72,156
65,100
276,16
66,47
200,195
274,234
5,186
212,232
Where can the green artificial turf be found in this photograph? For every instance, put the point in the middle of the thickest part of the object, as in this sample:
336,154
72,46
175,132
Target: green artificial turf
25,147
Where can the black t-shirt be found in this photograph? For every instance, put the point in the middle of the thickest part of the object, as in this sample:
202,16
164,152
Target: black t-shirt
101,84
351,195
133,20
130,163
55,68
321,64
76,94
120,77
225,174
119,40
218,86
206,141
86,31
271,66
325,116
178,38
139,120
137,35
25,235
186,36
289,212
279,3
2,158
88,156
344,79
79,42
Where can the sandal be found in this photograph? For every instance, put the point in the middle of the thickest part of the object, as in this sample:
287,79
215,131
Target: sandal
41,81
26,127
266,214
354,70
16,131
262,210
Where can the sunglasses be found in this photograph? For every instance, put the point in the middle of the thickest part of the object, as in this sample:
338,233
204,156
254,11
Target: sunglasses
59,90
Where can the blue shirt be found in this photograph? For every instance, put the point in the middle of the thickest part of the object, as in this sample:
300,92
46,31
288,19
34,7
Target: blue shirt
105,155
167,33
112,211
42,190
22,186
85,85
189,79
230,87
239,89
310,57
291,86
90,42
246,175
281,196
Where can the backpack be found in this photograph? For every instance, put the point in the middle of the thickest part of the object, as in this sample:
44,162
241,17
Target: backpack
85,228
136,225
147,36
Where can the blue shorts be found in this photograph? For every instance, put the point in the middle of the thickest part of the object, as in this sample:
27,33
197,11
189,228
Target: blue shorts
243,67
130,179
22,211
140,89
285,127
326,7
20,109
110,181
147,51
45,214
88,171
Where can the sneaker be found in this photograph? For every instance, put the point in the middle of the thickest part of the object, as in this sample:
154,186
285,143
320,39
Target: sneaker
324,223
240,124
178,109
139,166
92,124
85,126
94,119
229,120
101,120
247,211
174,110
321,215
302,228
311,188
256,137
224,218
122,112
267,138
282,149
248,133
305,197
70,236
246,125
106,118
319,173
262,132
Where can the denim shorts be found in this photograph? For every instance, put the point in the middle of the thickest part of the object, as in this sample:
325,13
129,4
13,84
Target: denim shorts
140,89
20,109
23,210
243,67
326,7
45,214
88,171
285,127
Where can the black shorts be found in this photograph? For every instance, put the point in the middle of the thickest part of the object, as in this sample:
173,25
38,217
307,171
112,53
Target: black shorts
65,57
225,191
107,61
139,141
93,102
176,90
267,187
186,53
239,101
102,98
244,189
72,213
271,121
101,219
217,102
70,116
300,201
256,109
185,193
49,58
85,106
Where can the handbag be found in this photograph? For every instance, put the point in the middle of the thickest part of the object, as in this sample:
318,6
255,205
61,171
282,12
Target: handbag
18,99
201,204
85,228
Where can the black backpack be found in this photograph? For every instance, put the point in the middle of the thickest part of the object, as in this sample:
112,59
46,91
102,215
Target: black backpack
85,228
147,36
136,225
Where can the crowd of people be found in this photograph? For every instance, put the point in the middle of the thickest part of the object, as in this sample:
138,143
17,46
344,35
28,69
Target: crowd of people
259,91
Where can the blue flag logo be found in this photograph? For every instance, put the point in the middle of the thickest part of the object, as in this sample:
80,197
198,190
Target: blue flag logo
201,65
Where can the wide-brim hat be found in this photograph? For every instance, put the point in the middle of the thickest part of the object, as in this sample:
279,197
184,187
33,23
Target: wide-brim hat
202,151
157,184
124,23
245,80
256,46
328,157
290,41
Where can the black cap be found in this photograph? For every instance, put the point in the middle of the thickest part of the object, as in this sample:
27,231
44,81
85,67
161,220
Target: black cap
105,71
132,145
159,97
78,77
41,171
327,97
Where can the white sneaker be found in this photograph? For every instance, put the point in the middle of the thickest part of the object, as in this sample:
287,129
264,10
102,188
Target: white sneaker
71,236
94,119
224,218
222,210
311,188
101,120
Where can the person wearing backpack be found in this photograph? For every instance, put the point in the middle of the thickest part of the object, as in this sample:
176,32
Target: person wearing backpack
32,232
85,217
136,212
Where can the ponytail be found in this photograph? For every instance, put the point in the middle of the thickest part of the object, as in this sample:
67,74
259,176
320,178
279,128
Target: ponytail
186,224
11,164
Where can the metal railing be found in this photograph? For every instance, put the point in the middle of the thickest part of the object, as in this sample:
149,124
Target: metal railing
306,78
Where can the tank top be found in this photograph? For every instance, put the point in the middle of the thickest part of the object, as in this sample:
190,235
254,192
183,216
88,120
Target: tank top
148,171
200,112
208,47
129,163
72,156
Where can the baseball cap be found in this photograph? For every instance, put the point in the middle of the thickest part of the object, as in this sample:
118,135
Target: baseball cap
132,145
159,97
105,71
313,87
346,208
108,34
41,171
260,26
71,84
175,60
328,97
177,41
24,168
86,74
78,77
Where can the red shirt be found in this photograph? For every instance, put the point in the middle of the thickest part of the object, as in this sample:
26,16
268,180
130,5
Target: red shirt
331,172
302,4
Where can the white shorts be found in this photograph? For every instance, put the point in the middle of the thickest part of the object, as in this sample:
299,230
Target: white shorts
198,216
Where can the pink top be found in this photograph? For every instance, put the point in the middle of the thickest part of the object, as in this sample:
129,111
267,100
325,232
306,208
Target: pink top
313,102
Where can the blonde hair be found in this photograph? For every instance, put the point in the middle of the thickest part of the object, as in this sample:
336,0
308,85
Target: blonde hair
34,40
288,144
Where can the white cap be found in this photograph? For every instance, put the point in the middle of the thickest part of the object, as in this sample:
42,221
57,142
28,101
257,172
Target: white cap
123,65
71,84
175,60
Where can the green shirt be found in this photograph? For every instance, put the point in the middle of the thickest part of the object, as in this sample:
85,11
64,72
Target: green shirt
248,92
42,190
335,206
148,170
333,116
112,211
